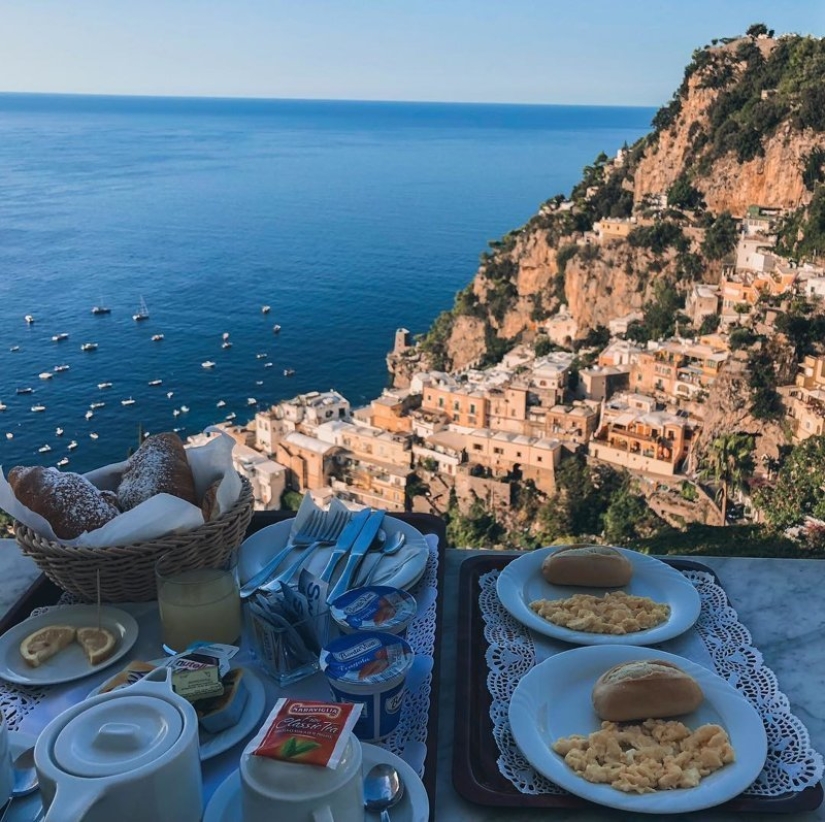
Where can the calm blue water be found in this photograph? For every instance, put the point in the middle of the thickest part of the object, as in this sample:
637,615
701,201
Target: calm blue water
349,219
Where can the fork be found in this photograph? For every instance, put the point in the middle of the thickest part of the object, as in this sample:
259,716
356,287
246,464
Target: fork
313,530
338,522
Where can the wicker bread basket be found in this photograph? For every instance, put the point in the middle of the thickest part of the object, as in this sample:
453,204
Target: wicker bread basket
127,572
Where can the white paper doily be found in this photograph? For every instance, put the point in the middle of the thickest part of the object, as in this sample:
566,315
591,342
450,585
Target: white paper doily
792,764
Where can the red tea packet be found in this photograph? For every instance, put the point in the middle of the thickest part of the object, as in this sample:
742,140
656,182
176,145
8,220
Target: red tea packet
312,733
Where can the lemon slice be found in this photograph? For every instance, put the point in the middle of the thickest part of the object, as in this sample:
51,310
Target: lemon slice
44,643
98,644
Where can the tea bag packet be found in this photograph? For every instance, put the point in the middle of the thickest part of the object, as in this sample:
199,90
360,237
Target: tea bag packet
312,733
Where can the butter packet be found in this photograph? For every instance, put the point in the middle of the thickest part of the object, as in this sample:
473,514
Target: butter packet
313,733
198,671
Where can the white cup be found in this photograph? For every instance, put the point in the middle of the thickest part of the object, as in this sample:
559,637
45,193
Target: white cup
6,775
272,789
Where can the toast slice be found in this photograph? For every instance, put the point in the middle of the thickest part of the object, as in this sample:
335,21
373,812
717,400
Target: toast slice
98,644
44,643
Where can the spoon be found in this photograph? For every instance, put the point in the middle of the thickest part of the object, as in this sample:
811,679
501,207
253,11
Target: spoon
391,546
25,775
383,789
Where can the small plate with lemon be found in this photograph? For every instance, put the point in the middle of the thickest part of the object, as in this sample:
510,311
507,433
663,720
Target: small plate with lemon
65,643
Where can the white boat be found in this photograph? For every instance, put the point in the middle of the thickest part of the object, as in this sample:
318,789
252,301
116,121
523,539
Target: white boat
289,372
59,432
155,382
95,405
60,337
226,345
265,309
29,319
225,336
129,401
276,329
261,356
142,313
15,348
72,445
102,385
208,364
3,406
37,408
44,449
9,435
93,435
100,309
170,394
45,375
88,347
89,414
176,412
184,409
230,416
25,390
157,337
220,404
251,401
267,365
259,382
62,462
59,368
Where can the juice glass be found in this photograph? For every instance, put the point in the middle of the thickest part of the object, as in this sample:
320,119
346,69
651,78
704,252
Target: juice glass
198,605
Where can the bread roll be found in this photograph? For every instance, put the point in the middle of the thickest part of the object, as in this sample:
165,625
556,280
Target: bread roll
69,502
645,689
159,466
595,566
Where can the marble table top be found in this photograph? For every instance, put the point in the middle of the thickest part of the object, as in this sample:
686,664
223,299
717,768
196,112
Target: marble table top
779,600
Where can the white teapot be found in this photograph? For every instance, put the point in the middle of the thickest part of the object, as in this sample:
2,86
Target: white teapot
129,755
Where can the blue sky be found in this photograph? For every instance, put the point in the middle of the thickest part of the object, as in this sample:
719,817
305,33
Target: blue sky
619,52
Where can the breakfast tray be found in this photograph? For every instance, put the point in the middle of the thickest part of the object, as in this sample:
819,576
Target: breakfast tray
476,775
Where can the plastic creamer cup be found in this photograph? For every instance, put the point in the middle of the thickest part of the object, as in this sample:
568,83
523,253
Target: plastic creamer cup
374,608
370,668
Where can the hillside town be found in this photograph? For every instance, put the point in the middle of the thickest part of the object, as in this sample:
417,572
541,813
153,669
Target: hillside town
471,435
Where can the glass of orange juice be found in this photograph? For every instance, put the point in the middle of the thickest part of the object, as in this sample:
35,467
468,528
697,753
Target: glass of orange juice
198,605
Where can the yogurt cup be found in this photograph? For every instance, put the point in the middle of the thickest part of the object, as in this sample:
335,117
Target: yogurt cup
374,608
370,668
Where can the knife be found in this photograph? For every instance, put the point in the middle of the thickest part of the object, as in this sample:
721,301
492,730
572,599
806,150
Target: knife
362,545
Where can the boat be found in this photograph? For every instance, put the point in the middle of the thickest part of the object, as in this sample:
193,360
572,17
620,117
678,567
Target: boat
220,404
45,375
100,309
88,347
170,394
9,435
259,382
184,409
276,329
29,319
267,365
226,345
251,401
89,414
95,405
265,309
44,448
176,412
157,337
261,356
93,435
208,364
60,337
59,368
155,382
142,313
62,462
225,336
72,445
37,408
230,416
289,372
102,385
3,406
129,401
59,432
15,348
25,390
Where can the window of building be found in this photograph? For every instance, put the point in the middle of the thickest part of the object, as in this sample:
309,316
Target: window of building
472,408
539,459
498,450
476,447
441,402
455,405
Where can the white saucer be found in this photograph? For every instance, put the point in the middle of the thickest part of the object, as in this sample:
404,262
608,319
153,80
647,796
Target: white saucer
413,807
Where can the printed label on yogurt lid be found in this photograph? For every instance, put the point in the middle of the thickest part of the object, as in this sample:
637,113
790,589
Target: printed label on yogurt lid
374,607
366,657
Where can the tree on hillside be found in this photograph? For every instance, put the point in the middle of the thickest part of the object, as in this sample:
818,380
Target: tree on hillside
720,238
728,464
759,28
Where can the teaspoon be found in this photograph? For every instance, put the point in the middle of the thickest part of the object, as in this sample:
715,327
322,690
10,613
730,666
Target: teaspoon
383,789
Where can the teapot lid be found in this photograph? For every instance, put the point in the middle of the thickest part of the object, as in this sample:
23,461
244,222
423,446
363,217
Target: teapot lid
115,736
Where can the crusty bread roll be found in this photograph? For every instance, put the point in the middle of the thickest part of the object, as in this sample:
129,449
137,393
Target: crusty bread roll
159,466
69,502
595,566
645,689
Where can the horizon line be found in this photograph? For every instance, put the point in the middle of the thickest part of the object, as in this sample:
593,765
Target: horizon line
241,98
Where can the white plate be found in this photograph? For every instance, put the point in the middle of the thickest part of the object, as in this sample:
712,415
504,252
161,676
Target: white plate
71,662
413,807
553,700
521,583
214,744
402,570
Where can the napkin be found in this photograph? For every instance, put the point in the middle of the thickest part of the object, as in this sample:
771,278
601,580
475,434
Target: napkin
156,517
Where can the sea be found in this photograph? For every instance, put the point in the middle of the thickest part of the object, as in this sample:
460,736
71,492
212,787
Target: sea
348,219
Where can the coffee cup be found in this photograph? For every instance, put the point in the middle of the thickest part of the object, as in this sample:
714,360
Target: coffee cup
274,789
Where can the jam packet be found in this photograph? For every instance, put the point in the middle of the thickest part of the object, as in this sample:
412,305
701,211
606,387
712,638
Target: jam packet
314,733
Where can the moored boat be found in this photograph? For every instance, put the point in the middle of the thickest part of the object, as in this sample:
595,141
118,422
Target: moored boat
3,406
29,319
60,337
207,364
93,435
276,329
59,368
58,431
95,405
289,372
25,390
72,445
142,313
45,375
102,385
88,347
128,401
157,337
89,414
184,409
155,382
265,309
44,449
251,401
38,408
63,461
221,403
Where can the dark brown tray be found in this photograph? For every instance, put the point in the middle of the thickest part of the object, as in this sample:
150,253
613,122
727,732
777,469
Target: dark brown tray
476,776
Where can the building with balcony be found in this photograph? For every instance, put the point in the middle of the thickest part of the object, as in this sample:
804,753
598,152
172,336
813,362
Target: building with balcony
309,461
302,413
702,301
572,423
601,382
677,369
